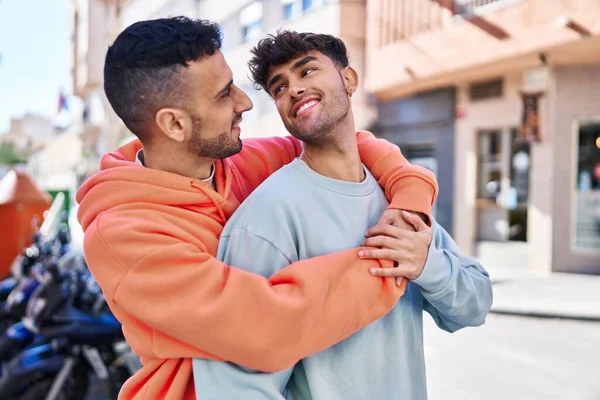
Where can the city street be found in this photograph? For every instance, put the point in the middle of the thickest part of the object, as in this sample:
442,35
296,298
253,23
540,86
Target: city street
514,358
509,358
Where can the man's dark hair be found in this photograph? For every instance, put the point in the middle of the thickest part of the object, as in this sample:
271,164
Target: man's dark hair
287,45
143,67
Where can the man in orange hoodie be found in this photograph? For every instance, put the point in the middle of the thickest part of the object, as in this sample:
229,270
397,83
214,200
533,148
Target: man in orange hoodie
153,214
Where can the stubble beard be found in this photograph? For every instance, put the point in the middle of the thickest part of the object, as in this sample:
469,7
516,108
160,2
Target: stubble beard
332,113
218,147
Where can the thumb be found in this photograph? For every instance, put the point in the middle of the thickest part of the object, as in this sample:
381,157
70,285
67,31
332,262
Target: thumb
414,220
388,217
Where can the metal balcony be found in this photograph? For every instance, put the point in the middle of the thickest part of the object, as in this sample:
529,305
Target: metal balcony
400,19
466,7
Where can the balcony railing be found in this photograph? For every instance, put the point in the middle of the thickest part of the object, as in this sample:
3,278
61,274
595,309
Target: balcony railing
462,7
395,20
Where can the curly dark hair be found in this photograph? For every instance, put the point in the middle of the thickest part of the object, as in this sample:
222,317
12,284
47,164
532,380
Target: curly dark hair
287,45
143,67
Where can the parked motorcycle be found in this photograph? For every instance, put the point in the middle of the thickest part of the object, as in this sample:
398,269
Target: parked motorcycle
60,329
81,337
24,271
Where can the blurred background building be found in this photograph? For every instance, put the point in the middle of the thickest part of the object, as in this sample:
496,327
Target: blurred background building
498,97
502,97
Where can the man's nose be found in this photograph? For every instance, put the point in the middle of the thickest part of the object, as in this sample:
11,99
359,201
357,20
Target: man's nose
243,102
297,90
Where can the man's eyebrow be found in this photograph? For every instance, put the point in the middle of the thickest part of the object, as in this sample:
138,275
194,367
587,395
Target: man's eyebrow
225,89
297,64
304,61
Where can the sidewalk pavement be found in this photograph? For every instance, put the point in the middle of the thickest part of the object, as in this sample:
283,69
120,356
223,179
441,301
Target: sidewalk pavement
547,295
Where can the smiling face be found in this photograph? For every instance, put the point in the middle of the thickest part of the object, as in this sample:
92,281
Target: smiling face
311,95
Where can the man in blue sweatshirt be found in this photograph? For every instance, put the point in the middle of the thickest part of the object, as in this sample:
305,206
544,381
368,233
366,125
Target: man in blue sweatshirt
323,202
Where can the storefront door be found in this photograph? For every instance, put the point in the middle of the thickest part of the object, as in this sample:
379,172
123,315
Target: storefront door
502,185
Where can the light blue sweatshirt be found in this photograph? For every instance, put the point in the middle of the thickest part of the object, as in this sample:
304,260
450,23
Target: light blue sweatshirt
298,214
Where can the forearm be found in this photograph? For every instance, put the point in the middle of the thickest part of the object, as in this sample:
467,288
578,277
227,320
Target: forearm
301,310
408,187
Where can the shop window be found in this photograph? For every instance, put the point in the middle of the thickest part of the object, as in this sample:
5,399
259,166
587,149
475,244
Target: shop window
502,185
587,188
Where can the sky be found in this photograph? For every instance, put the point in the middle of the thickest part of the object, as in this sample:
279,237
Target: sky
35,57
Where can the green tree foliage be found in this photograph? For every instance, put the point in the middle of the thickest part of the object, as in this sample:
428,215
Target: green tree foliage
9,156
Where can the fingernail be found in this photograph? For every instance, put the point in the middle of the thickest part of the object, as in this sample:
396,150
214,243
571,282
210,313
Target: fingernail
399,282
373,271
361,253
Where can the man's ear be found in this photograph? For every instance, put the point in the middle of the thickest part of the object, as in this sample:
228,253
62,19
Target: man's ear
173,123
350,77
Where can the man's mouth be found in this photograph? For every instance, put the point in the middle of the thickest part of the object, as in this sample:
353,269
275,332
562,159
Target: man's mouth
304,106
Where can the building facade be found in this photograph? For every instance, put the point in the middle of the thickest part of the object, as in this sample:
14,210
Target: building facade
94,25
526,140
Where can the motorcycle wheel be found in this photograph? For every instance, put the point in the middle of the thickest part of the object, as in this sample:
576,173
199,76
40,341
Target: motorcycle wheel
118,375
10,347
5,323
37,391
75,387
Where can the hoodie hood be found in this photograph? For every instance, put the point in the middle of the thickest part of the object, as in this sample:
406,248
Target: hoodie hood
121,181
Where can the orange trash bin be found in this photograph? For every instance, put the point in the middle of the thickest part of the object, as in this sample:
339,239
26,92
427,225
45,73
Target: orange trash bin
20,202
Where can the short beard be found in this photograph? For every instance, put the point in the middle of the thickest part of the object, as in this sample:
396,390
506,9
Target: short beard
340,105
219,147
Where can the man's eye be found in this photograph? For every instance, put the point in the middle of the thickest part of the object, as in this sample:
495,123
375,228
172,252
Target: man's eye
307,71
227,93
278,89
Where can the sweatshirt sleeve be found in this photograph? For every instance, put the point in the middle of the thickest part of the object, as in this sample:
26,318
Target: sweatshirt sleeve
407,186
457,289
181,291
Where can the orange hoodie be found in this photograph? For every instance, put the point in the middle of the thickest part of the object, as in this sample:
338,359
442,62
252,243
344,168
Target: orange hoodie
150,241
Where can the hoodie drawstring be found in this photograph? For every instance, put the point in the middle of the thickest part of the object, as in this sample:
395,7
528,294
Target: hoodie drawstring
212,199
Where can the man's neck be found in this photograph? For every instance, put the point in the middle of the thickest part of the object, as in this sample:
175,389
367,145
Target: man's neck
185,165
336,156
